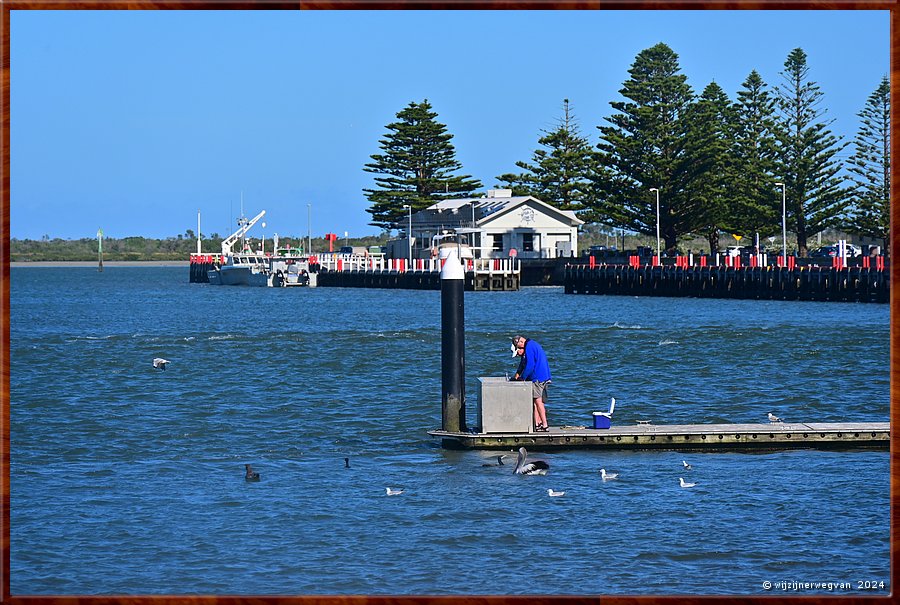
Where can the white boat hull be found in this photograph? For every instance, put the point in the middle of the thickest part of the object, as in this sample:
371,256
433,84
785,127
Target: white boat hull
276,272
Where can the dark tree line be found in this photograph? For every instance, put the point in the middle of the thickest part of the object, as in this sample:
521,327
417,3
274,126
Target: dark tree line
718,164
178,248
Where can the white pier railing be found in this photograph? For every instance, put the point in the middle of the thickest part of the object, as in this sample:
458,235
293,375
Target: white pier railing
379,264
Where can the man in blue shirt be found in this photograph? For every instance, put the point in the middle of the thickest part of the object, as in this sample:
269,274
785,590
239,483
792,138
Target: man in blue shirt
534,367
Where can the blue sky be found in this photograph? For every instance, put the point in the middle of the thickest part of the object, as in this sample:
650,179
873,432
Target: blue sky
133,121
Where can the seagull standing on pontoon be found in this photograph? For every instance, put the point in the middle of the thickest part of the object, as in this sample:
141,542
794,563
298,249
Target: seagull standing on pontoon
538,467
774,418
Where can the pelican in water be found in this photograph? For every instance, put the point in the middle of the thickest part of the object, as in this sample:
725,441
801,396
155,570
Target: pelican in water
159,363
684,483
608,476
554,494
538,467
251,474
498,463
390,491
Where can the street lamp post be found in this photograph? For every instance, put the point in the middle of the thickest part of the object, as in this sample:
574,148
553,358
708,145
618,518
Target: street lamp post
308,229
658,255
783,224
409,233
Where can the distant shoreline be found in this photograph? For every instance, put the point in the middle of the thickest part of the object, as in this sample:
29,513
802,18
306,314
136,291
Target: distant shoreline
107,263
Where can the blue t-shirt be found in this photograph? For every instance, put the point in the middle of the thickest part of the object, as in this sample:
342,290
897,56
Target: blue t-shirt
537,369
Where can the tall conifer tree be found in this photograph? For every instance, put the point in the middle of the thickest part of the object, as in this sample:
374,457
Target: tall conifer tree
644,147
560,173
415,168
807,163
756,201
870,167
710,125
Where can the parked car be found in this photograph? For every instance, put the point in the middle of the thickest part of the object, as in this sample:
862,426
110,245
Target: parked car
834,251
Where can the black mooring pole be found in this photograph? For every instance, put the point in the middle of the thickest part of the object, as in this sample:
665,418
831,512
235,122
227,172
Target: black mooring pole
453,343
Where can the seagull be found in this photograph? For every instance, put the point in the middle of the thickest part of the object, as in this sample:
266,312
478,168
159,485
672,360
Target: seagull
159,363
538,467
687,466
684,483
554,494
390,491
251,474
499,461
774,418
608,476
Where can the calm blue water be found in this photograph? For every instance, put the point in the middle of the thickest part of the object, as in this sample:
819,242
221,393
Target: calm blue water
125,479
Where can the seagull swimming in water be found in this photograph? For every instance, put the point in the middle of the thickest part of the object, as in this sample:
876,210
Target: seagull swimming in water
538,467
774,418
554,494
608,476
390,491
251,474
684,483
498,463
159,363
687,466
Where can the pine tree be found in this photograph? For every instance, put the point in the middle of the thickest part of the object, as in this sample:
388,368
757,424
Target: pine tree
816,198
756,203
870,167
415,168
559,174
710,124
644,148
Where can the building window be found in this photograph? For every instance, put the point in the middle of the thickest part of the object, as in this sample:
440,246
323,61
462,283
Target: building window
498,242
528,242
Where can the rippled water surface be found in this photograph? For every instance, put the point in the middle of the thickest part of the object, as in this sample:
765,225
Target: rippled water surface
125,479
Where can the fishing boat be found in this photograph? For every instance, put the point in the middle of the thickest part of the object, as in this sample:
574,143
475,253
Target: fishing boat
284,267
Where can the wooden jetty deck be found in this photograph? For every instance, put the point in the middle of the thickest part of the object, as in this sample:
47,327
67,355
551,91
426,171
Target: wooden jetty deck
847,284
355,271
645,436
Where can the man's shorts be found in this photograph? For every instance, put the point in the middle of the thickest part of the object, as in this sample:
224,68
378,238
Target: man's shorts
540,390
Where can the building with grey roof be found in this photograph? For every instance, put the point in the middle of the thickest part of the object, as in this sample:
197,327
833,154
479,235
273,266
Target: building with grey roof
498,225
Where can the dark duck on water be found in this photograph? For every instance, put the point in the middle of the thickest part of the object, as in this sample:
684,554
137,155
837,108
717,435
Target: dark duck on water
251,474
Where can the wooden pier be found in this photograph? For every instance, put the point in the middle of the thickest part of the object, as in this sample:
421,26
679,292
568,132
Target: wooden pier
423,274
646,436
847,284
200,264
